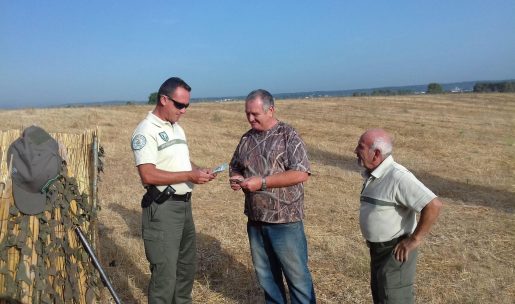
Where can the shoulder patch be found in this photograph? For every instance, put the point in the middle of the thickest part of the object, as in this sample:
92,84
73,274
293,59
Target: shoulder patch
164,136
138,142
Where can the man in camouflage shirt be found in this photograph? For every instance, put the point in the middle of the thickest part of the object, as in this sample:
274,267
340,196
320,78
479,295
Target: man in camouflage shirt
270,165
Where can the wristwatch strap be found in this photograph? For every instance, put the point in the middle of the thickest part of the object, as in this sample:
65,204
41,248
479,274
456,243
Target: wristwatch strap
263,184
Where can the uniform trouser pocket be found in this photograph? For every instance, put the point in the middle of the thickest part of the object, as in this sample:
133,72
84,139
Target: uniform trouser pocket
154,247
153,235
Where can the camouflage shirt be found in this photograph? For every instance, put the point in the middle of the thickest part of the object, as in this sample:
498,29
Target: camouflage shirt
266,153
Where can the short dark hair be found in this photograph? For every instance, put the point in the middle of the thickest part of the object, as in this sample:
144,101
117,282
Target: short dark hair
266,97
171,84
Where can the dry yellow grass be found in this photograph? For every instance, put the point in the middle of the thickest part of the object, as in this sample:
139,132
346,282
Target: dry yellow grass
461,146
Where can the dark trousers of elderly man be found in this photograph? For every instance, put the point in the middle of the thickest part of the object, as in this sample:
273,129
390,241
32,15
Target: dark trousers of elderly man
389,278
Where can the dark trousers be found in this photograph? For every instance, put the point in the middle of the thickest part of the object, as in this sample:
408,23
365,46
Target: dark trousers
169,239
391,281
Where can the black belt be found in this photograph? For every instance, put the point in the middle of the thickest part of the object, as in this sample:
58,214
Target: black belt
390,243
181,197
155,195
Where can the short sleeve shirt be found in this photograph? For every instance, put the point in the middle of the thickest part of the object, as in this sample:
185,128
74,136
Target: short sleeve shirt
390,199
163,144
269,152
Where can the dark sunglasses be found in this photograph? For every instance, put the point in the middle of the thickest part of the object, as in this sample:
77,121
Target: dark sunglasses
177,104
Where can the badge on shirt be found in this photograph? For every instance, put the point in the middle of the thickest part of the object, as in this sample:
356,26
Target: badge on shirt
164,136
138,142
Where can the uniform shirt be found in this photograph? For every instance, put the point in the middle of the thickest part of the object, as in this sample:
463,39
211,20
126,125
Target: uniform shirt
163,144
269,152
390,199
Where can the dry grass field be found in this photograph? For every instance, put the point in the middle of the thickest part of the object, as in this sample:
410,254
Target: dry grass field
461,146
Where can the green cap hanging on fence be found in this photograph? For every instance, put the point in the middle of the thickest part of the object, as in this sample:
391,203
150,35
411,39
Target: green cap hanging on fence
35,165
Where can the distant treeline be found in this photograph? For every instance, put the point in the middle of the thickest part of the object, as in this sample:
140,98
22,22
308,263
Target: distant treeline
432,88
486,87
383,93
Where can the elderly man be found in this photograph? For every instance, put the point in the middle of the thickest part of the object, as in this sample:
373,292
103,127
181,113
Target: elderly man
270,165
390,198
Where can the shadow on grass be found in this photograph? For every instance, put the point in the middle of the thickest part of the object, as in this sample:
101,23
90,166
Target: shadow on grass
216,269
223,274
470,194
326,158
113,256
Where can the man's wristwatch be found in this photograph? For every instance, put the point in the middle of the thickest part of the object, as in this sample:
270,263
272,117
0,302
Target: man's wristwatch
263,184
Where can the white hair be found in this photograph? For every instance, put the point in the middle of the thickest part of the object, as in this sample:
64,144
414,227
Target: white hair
384,145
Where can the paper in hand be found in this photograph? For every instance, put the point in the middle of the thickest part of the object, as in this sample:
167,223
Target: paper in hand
220,168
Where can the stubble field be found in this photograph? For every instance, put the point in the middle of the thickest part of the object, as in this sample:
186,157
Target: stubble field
461,146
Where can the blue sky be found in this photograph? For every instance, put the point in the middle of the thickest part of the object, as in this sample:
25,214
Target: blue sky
55,52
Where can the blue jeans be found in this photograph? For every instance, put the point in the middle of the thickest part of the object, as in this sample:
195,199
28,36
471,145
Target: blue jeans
277,250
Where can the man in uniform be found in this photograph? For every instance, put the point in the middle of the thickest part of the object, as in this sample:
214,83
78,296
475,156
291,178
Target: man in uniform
270,165
162,158
390,199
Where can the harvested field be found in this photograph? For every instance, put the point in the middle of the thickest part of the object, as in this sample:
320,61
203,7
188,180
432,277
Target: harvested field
461,146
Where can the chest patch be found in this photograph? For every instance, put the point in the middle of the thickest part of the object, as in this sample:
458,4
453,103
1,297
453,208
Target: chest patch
164,136
138,142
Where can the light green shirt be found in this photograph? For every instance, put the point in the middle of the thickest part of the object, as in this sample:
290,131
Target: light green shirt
163,144
390,199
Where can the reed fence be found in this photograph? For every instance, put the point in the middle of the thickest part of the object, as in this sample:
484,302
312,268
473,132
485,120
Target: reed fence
41,257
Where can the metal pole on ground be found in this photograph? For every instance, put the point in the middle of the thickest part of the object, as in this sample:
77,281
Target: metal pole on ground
93,257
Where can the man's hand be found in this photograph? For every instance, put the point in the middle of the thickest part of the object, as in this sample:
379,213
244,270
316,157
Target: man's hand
210,172
251,184
234,182
201,176
404,247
